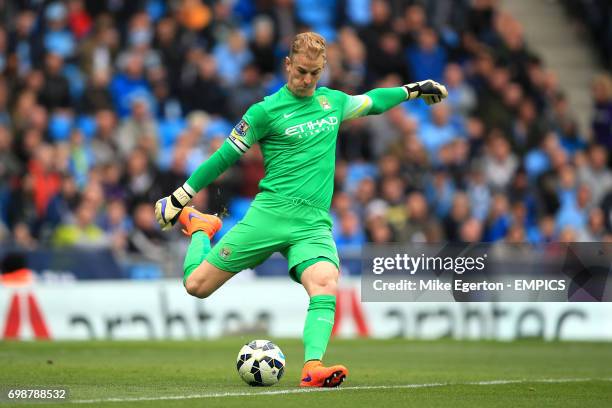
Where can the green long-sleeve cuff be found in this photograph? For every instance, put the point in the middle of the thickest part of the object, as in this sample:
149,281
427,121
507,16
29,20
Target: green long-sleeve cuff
212,168
384,99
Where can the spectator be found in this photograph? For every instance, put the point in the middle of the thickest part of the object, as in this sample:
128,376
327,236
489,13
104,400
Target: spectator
574,214
104,143
58,39
79,21
491,82
203,91
5,117
116,225
459,214
565,124
24,45
439,132
82,232
45,178
262,45
528,128
461,96
139,40
138,129
100,48
22,237
129,83
81,157
139,178
10,165
499,162
427,58
440,192
418,222
64,204
55,92
516,235
602,116
171,51
478,192
352,68
412,23
365,193
499,220
111,181
233,55
380,23
606,206
414,160
146,239
595,230
350,234
471,231
97,96
390,129
246,92
593,171
387,58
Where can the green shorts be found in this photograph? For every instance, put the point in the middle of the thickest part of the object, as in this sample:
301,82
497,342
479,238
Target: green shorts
298,231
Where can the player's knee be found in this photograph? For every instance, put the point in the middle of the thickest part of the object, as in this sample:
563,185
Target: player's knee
326,282
329,285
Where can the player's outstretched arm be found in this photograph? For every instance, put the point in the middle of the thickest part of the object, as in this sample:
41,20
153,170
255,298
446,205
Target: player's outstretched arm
380,100
384,99
168,209
244,134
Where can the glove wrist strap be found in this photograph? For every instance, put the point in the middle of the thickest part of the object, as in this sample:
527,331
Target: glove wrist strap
413,91
180,197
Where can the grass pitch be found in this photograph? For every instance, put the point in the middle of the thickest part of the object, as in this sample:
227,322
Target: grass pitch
383,373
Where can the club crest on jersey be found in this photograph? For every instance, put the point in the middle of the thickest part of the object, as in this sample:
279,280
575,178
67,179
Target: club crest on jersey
225,252
324,103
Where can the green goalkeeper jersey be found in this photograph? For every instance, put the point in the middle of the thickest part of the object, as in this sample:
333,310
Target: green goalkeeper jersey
298,140
297,136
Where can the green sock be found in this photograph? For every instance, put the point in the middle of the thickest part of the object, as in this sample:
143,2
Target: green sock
318,326
197,250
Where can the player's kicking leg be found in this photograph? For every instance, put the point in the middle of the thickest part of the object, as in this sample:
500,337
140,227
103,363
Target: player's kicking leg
320,281
200,278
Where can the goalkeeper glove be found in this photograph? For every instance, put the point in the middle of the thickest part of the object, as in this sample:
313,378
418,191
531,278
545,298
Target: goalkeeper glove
168,209
430,91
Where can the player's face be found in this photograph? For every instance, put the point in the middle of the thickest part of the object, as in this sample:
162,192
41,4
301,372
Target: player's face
303,73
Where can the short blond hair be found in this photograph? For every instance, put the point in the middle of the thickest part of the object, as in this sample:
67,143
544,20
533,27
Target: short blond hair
309,43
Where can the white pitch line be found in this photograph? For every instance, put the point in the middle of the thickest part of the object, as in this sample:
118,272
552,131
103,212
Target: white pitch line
339,389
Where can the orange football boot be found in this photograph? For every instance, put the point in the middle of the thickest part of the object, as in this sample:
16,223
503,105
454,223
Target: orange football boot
193,221
314,374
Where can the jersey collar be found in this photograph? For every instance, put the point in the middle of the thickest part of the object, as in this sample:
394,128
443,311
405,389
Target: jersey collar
299,98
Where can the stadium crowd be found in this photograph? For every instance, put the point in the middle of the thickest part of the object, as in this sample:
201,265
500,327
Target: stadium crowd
107,106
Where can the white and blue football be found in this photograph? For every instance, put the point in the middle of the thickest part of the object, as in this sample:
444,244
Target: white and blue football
260,363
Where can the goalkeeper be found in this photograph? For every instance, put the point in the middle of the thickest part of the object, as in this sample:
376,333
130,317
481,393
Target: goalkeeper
296,128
